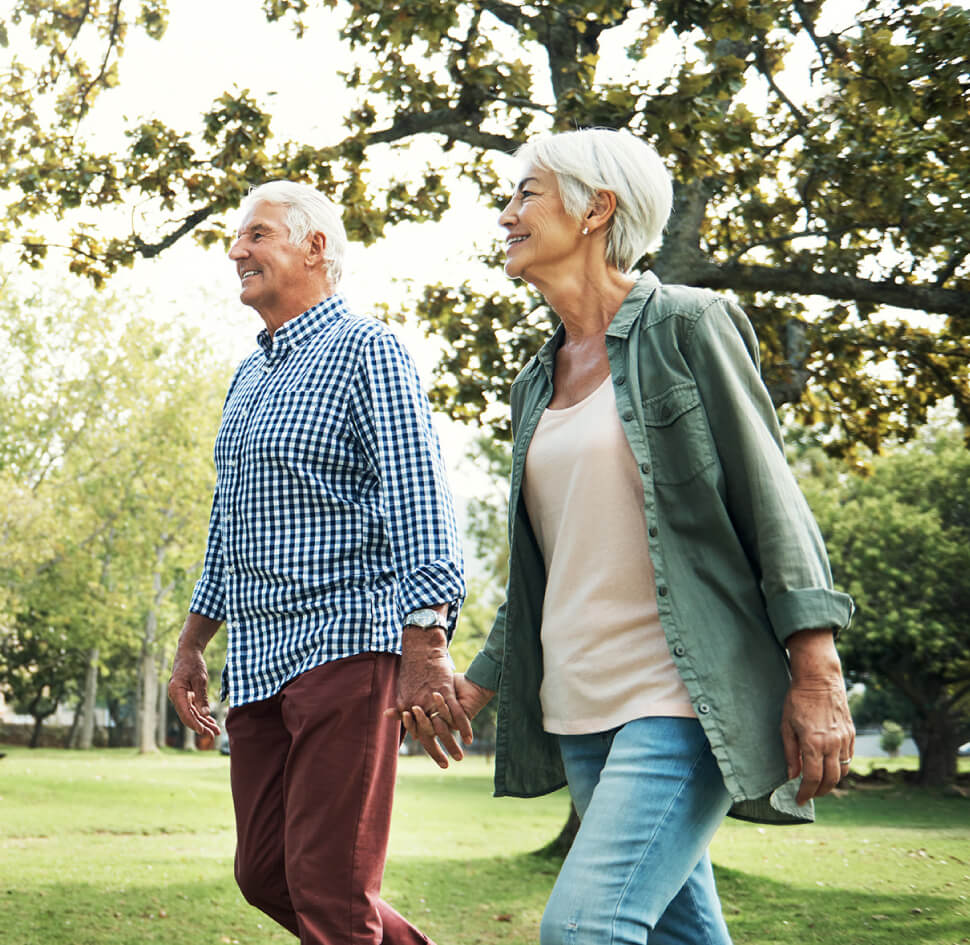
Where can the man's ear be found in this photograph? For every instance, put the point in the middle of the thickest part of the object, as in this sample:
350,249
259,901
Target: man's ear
316,246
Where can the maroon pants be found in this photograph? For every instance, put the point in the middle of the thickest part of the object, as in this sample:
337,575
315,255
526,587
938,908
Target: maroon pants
313,772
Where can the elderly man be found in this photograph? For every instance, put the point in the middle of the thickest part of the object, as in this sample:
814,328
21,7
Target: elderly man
334,561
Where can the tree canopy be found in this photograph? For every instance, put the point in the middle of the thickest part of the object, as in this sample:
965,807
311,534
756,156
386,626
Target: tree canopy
821,152
105,485
899,540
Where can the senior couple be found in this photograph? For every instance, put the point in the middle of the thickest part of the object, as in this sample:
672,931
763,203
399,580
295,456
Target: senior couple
666,643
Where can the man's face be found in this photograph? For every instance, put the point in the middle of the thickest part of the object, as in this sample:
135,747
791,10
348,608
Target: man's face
272,271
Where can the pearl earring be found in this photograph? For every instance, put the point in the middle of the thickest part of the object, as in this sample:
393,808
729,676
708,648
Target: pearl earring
585,231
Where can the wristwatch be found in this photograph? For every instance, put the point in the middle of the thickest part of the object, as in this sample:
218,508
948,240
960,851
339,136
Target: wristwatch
426,619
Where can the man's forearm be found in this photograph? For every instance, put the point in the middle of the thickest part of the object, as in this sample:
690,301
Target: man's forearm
197,631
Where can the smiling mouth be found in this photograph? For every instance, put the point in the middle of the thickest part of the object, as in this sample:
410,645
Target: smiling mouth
249,272
513,240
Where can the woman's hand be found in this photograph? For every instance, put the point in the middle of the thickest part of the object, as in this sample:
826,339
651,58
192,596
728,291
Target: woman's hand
436,731
816,726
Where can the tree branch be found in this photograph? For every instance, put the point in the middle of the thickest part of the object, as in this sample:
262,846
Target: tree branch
148,250
440,121
507,13
952,302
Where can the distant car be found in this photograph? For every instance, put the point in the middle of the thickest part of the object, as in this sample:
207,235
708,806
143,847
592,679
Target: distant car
964,749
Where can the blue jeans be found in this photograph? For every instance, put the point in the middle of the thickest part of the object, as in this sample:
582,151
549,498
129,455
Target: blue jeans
650,797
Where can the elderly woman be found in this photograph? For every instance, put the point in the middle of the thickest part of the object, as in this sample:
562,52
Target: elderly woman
666,644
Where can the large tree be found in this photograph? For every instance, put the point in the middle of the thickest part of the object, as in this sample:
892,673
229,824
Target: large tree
820,150
899,540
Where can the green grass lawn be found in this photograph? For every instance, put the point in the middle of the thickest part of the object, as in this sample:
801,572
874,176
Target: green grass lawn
109,848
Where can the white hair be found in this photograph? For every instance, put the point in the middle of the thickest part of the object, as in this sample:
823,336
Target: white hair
307,212
594,159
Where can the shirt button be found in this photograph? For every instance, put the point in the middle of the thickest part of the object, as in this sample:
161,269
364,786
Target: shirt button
662,590
704,708
679,649
230,570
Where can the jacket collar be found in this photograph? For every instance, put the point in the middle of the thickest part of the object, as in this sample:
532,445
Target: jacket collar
633,305
620,327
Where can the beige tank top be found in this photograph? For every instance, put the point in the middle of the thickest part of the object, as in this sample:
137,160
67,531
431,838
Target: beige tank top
605,658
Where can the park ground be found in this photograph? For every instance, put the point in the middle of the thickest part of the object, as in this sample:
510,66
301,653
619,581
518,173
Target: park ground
113,848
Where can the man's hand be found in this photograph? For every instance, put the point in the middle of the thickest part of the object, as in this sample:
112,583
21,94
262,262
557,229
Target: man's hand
816,727
426,727
188,687
426,672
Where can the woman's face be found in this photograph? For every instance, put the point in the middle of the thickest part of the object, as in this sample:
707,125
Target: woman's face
541,237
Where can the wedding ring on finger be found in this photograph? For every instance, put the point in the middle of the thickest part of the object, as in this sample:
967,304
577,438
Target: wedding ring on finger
845,761
434,715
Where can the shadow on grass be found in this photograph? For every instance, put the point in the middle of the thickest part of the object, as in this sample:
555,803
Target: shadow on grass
472,902
84,914
761,911
893,806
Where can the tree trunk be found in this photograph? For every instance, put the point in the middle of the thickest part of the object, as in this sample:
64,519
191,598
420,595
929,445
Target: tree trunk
90,701
35,734
149,688
937,740
73,736
561,845
161,712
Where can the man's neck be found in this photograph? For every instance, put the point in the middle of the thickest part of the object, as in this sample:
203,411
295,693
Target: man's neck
277,318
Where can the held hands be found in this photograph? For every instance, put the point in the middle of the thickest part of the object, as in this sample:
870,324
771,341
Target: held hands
816,726
434,703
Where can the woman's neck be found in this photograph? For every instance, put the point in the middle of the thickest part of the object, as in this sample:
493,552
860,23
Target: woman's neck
586,303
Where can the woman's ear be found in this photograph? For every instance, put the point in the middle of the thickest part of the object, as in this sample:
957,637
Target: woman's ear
601,210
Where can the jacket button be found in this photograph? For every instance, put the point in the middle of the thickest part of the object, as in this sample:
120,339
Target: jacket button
644,467
653,531
704,708
621,380
679,650
662,590
628,416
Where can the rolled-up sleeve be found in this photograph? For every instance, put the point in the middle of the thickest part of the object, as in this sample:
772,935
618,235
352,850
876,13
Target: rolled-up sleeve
393,419
209,596
769,512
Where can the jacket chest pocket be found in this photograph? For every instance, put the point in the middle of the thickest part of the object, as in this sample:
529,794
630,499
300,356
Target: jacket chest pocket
680,439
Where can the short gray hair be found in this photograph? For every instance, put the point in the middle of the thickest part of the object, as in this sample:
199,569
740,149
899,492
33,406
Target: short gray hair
307,212
593,159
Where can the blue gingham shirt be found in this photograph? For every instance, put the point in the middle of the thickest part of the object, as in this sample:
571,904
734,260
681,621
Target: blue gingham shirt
332,517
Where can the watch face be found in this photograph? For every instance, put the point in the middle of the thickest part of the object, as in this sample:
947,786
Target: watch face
422,618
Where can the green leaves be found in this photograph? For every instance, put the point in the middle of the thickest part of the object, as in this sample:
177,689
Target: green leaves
899,541
106,426
821,156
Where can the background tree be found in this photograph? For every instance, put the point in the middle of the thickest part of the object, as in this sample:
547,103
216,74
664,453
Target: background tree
819,149
899,540
105,465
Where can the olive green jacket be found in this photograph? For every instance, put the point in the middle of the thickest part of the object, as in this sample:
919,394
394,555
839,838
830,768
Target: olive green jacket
739,561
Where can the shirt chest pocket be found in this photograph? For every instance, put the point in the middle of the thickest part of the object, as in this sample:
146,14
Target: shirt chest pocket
677,431
297,428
